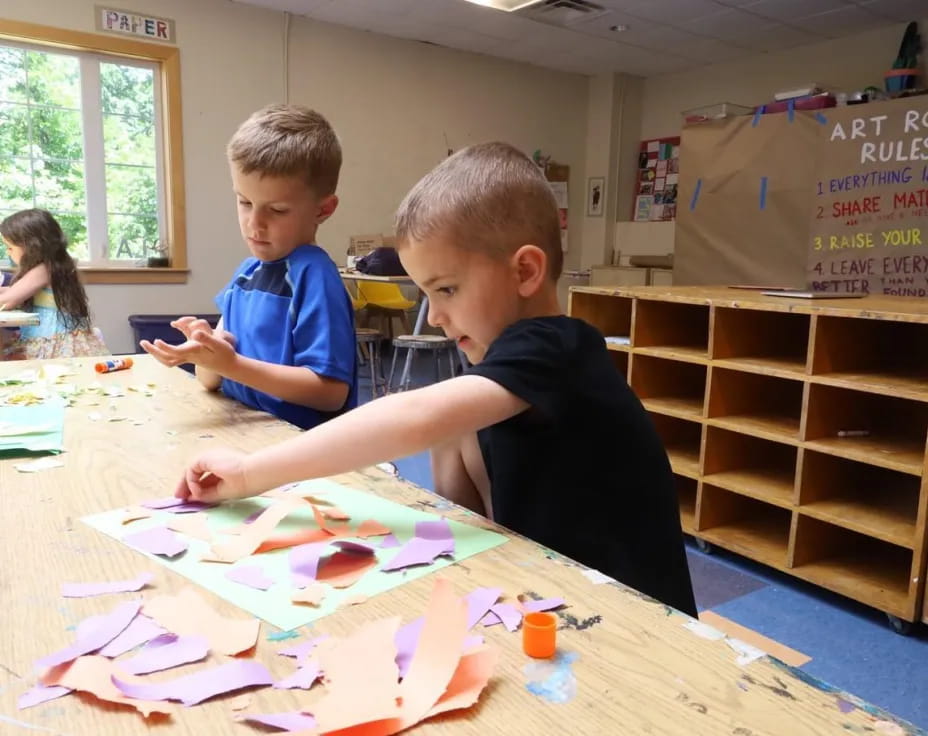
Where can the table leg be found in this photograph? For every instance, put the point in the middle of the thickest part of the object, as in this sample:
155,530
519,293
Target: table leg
420,320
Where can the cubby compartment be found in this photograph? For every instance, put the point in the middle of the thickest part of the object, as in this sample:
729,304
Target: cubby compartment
879,430
765,406
874,355
773,343
744,525
686,493
874,501
671,387
750,466
854,565
621,362
681,438
611,315
672,329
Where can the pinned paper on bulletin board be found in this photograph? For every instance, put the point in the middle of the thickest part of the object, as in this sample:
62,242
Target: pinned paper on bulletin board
655,194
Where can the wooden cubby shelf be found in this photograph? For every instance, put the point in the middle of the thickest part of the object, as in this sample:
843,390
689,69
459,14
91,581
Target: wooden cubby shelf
682,439
896,428
672,387
744,525
672,330
765,406
854,565
870,500
883,357
753,395
686,493
750,466
772,343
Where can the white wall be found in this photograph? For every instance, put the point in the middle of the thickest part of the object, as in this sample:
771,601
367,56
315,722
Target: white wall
392,103
846,64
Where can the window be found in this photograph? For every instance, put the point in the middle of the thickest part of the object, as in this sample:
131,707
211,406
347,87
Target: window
89,129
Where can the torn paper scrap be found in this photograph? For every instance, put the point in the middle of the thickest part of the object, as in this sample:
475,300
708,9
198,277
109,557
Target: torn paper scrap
436,530
94,674
36,466
596,577
40,694
704,631
746,652
312,595
371,528
544,604
139,631
509,615
479,602
469,679
417,551
187,613
251,575
134,513
302,679
389,541
343,569
304,562
295,721
99,632
192,525
240,702
158,540
301,651
167,651
199,686
407,637
85,590
335,514
235,547
175,505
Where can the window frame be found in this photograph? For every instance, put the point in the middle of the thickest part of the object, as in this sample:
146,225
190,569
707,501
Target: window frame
169,147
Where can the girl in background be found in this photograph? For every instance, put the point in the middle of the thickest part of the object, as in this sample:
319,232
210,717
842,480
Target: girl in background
46,283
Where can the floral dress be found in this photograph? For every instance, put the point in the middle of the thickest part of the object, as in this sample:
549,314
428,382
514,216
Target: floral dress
51,338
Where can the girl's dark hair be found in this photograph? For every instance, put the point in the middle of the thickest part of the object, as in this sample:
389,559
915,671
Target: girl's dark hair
40,236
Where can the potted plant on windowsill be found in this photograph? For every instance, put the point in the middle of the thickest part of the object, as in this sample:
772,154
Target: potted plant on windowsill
159,257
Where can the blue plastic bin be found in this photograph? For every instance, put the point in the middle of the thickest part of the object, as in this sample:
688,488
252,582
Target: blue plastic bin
153,327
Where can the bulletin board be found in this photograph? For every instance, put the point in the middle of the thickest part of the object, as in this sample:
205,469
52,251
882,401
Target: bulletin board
657,180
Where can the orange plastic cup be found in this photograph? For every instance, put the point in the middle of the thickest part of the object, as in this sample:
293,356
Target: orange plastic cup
539,635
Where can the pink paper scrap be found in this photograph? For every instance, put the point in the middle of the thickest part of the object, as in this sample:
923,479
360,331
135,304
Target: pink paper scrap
85,590
96,635
354,547
199,686
304,562
40,694
436,530
158,540
167,651
301,651
417,551
545,604
295,721
251,575
406,640
389,541
175,505
505,613
302,679
140,630
479,602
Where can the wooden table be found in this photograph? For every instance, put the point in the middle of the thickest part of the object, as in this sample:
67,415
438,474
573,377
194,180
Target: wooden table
638,669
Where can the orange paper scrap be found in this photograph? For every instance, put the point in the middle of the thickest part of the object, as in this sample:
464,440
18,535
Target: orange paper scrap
192,525
134,513
187,614
93,674
343,569
238,546
311,595
469,679
371,528
335,514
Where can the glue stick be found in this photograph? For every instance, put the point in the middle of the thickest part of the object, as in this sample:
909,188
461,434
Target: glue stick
116,364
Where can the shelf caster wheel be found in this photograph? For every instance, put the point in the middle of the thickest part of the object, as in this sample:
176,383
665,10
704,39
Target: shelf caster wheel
901,627
705,547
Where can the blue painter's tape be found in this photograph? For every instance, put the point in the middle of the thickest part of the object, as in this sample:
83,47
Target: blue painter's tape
821,118
791,110
695,194
757,113
763,192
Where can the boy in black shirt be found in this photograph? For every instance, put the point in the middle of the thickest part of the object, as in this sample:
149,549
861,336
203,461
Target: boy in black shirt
542,434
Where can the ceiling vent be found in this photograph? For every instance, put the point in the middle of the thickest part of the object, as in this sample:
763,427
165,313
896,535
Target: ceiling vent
562,12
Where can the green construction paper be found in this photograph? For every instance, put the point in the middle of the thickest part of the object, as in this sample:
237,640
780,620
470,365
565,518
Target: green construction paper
274,605
45,416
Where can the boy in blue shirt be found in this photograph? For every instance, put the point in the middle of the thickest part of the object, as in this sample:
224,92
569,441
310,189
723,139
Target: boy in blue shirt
286,341
542,433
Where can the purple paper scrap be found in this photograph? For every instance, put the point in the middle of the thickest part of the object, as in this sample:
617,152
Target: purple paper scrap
165,652
199,686
302,679
251,575
85,590
96,635
158,540
142,629
40,694
417,551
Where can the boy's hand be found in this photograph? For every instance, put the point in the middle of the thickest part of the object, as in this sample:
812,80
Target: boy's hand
217,475
203,348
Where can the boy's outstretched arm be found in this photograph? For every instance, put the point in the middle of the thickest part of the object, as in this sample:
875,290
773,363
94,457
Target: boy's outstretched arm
394,426
31,283
214,354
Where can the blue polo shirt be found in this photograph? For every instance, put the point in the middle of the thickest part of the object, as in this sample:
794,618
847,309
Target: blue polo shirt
293,311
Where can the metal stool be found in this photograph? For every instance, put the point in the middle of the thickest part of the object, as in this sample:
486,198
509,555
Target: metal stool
435,344
369,341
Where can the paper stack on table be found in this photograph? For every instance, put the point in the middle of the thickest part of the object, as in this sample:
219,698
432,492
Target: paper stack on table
36,428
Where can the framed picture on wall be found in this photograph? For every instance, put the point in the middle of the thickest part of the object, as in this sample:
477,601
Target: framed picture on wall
595,195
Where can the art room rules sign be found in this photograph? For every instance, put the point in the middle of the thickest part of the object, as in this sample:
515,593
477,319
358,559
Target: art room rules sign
869,230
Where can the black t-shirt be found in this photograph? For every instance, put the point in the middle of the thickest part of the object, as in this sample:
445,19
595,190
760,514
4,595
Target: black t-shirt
583,470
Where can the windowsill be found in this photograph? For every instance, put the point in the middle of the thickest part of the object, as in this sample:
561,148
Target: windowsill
133,275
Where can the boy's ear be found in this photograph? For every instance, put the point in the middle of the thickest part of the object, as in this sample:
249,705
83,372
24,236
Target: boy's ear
327,207
531,264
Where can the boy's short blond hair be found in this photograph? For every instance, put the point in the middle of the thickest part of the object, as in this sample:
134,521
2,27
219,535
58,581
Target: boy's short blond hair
289,140
489,197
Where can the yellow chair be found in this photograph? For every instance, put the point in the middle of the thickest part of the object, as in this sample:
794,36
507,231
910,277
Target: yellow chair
385,300
358,302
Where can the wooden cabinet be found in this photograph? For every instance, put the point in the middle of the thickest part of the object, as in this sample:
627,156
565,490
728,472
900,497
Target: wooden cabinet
796,429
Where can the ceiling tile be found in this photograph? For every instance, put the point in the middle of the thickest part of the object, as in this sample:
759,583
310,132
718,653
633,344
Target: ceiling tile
788,10
711,51
673,12
898,10
729,25
836,23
